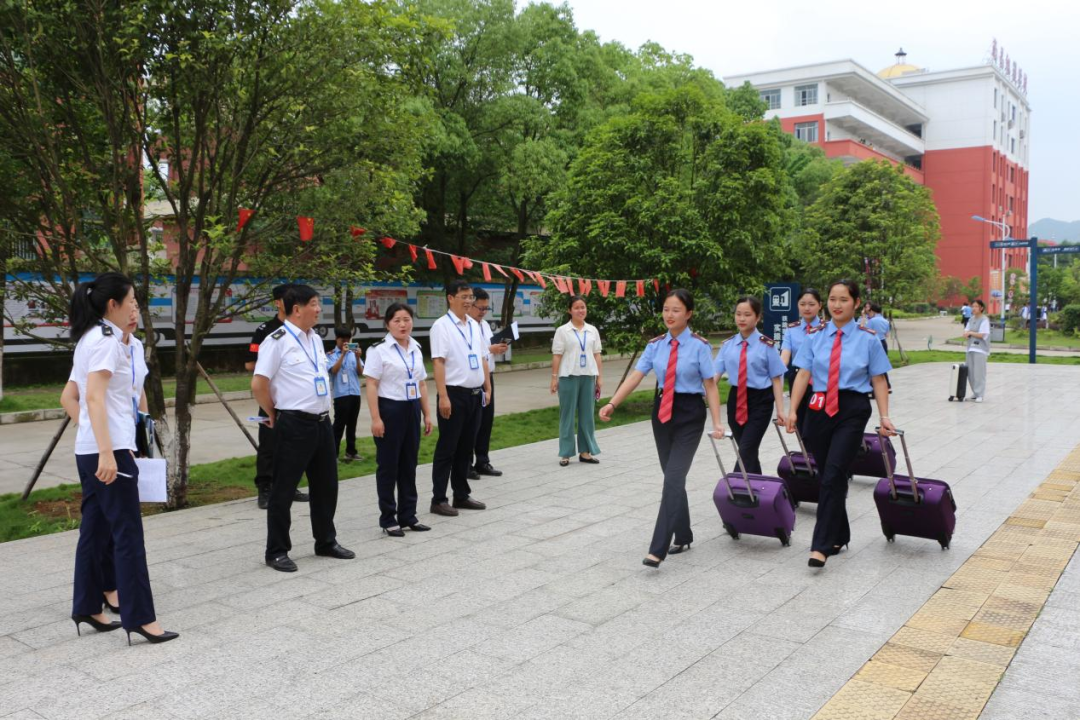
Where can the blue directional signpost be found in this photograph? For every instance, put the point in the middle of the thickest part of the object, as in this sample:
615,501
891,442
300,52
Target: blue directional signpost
781,308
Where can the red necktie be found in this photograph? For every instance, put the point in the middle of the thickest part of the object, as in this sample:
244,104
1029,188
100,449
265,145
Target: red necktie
741,412
668,398
832,392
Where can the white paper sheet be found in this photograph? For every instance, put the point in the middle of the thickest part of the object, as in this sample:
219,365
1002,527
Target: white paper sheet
152,480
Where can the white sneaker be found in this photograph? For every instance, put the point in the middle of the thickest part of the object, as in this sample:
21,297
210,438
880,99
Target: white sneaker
978,399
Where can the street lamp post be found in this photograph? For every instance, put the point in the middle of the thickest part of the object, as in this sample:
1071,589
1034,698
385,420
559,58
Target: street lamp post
1006,231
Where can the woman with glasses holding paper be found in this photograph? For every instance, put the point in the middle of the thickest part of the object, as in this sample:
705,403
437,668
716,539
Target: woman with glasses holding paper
104,393
576,377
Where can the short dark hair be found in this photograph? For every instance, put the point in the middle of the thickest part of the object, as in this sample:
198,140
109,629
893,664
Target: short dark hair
480,293
812,293
278,293
851,285
876,308
752,301
980,303
90,301
455,286
394,309
682,296
573,299
298,295
342,332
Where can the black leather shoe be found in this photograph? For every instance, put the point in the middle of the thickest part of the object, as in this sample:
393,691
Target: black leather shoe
165,636
486,469
99,626
300,496
591,460
443,508
469,504
264,497
473,475
336,551
650,562
394,532
417,527
282,563
676,549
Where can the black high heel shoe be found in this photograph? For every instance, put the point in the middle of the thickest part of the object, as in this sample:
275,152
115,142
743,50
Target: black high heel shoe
394,532
650,562
165,635
836,550
815,563
676,549
96,624
114,609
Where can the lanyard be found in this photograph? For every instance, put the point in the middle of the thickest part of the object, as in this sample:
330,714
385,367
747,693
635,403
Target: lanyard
581,340
412,356
311,357
456,327
134,400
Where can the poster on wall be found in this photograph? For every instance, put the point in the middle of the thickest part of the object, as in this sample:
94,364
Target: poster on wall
430,304
377,300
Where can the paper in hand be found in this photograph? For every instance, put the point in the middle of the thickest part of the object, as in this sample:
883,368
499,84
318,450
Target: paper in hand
152,480
507,334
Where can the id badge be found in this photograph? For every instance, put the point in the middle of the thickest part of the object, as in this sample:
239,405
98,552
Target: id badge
412,391
474,362
817,401
584,362
320,386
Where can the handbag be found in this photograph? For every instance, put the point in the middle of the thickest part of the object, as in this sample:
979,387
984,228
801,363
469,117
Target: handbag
144,435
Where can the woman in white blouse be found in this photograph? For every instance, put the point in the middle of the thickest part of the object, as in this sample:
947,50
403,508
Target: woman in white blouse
576,377
977,334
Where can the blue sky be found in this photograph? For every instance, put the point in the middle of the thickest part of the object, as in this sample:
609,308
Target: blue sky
736,37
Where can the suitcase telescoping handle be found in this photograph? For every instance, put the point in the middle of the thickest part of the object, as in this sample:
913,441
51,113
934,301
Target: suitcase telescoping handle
723,472
907,461
791,458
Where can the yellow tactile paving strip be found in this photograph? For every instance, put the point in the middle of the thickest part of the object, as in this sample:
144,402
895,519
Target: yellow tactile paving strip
947,659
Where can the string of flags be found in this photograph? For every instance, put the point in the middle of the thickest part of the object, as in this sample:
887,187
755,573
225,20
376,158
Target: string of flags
563,283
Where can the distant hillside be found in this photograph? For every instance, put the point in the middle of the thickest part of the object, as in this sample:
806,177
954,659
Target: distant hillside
1050,229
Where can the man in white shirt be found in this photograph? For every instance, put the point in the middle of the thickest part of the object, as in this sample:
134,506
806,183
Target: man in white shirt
459,354
478,311
292,386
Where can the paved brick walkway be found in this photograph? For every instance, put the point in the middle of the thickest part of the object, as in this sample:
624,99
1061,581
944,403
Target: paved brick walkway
538,607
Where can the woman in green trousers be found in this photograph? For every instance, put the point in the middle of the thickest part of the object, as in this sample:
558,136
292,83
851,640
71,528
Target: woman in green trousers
575,376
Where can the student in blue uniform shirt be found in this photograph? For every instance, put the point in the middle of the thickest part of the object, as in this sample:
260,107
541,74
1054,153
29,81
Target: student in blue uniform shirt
397,398
845,361
874,320
795,335
755,373
345,368
683,365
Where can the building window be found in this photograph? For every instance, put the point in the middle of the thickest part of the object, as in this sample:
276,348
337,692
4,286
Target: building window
1012,145
771,98
805,95
995,98
807,131
995,130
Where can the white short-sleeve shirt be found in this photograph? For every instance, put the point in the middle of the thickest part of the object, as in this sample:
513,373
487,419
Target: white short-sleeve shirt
102,348
292,360
395,367
567,342
454,340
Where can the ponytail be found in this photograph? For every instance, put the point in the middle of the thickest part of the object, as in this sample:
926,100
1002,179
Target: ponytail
91,301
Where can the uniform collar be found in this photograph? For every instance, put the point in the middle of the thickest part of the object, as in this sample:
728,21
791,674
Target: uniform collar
684,336
115,328
754,339
296,330
816,321
454,318
830,328
391,340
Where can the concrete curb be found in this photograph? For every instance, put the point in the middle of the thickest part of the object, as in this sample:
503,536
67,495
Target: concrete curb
1039,348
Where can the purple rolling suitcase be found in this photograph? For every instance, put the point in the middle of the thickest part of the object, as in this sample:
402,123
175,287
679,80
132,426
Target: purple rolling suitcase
753,504
870,460
799,471
914,506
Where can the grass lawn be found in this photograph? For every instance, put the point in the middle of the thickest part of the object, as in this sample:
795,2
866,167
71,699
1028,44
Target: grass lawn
43,397
925,356
57,509
1043,339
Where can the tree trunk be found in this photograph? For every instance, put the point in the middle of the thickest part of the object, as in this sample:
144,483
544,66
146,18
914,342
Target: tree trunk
339,297
3,299
511,289
178,447
350,319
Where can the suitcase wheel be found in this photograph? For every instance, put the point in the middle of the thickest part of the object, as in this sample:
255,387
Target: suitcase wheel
785,539
889,534
731,531
944,542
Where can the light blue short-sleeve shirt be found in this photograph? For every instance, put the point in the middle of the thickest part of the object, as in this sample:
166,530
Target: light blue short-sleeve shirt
763,362
693,366
861,357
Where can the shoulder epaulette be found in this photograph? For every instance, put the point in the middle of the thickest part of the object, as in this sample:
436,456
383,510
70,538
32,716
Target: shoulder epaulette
766,340
105,329
278,334
658,338
797,323
376,343
815,328
866,329
700,338
262,325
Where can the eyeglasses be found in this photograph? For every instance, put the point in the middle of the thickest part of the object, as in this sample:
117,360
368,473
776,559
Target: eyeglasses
466,297
482,308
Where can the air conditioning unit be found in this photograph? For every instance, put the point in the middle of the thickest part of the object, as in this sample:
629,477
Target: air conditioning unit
1011,123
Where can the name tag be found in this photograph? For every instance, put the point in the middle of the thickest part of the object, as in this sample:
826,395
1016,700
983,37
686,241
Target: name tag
474,362
412,391
320,386
584,362
817,401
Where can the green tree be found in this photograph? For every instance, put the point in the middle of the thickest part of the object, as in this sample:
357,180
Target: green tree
972,289
872,222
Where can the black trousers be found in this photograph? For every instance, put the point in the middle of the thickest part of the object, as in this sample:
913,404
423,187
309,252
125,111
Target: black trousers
264,457
457,437
676,442
483,434
759,413
834,442
395,455
346,411
111,536
302,446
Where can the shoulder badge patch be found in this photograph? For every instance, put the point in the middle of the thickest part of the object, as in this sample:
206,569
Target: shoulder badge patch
278,334
816,328
658,338
866,329
766,340
700,338
105,329
797,323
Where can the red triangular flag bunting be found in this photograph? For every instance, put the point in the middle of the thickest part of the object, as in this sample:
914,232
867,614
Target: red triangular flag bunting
501,271
641,288
604,285
540,279
467,264
620,288
388,242
588,286
357,231
307,227
245,215
517,274
412,251
430,259
458,264
487,272
656,284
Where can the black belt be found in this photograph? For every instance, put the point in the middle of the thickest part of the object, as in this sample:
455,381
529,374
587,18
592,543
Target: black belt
473,391
311,417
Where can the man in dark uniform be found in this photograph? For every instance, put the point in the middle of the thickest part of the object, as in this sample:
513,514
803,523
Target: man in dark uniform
264,458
